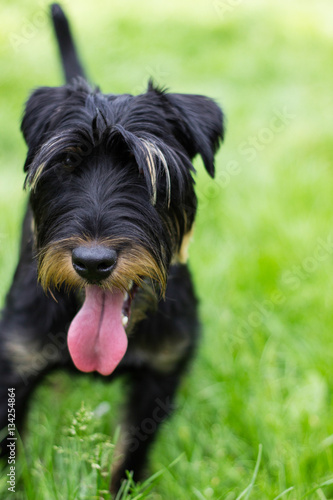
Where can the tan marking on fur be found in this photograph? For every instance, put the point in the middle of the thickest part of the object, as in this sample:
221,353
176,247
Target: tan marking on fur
28,357
56,269
21,352
32,225
33,231
166,358
182,256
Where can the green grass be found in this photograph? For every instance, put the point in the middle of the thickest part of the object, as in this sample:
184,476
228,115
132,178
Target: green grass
255,415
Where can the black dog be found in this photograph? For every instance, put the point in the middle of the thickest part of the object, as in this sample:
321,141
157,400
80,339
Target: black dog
104,244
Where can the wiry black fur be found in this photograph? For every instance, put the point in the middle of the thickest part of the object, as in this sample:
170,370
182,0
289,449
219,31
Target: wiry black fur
89,176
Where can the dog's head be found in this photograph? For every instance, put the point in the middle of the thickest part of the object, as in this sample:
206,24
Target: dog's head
112,191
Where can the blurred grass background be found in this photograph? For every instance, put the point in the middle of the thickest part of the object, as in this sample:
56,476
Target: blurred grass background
262,254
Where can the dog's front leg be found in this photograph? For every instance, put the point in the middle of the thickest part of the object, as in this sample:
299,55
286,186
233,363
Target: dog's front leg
32,339
151,402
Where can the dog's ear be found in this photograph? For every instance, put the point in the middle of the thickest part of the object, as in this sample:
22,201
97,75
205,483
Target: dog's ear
40,112
198,125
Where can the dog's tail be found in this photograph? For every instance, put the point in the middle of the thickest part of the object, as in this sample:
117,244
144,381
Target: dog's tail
70,61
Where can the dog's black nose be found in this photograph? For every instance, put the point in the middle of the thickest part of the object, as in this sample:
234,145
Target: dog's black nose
94,263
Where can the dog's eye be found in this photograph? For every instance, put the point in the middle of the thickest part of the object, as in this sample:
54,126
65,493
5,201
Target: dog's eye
70,160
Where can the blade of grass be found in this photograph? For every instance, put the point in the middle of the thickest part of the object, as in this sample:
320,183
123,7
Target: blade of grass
284,493
313,490
246,493
198,494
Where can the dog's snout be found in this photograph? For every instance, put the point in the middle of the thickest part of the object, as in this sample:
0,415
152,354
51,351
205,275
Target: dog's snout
94,263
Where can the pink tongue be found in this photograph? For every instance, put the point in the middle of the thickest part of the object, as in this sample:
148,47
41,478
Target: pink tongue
96,336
